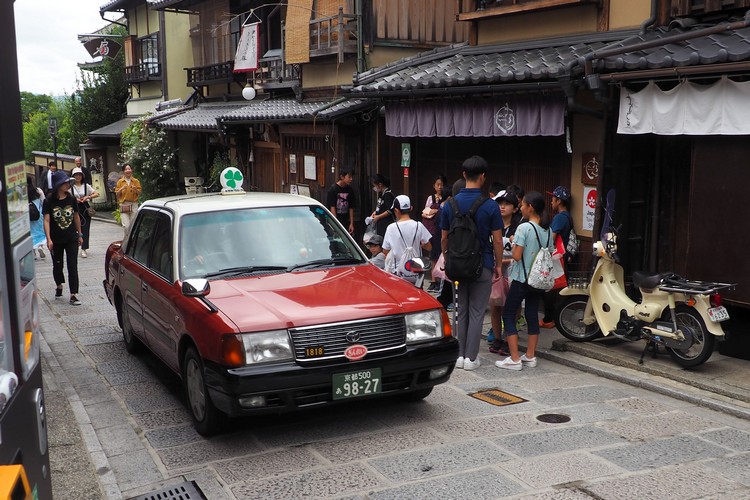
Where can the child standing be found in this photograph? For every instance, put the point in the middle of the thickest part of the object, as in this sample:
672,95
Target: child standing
508,208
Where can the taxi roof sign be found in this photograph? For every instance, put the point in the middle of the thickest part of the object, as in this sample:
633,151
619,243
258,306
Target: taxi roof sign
231,181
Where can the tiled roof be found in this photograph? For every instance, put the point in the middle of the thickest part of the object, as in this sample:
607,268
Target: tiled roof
464,65
206,116
113,130
113,5
727,46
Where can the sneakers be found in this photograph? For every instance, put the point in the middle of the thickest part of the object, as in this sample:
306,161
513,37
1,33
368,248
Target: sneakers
74,301
520,323
509,364
530,362
460,362
546,324
490,335
471,365
84,254
58,293
41,253
450,307
434,287
500,348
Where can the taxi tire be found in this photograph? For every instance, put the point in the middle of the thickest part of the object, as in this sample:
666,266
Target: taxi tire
132,343
207,419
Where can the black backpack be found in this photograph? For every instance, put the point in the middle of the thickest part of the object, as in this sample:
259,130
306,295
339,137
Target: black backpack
33,212
463,257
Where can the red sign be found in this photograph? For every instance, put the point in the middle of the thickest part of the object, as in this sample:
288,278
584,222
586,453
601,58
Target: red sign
355,352
406,172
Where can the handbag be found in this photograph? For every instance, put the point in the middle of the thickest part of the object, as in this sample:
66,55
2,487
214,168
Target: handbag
126,209
499,291
90,211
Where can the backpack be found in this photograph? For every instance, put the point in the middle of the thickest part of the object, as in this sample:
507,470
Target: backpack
463,255
573,242
33,212
409,253
540,274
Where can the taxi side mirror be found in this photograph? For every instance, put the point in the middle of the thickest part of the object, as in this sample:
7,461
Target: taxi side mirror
195,287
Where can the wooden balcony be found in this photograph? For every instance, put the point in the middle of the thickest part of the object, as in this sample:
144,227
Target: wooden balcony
212,74
334,35
143,72
274,73
494,8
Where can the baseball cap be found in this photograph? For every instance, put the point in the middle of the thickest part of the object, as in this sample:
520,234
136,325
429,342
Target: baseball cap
561,192
402,202
375,240
506,197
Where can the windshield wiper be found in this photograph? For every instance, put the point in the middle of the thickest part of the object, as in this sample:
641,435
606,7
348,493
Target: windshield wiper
324,263
237,271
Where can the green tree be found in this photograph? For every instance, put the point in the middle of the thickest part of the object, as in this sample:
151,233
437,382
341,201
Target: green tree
34,103
148,151
36,132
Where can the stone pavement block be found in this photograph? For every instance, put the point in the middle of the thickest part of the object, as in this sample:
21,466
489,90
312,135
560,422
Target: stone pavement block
162,418
733,468
263,465
333,481
205,450
106,414
559,494
83,376
588,413
484,427
681,449
63,348
544,471
733,439
134,469
349,421
683,481
557,440
483,483
151,402
56,335
208,484
107,352
90,394
71,361
173,436
438,460
373,445
641,406
134,376
119,365
579,395
641,428
97,330
100,339
118,439
404,414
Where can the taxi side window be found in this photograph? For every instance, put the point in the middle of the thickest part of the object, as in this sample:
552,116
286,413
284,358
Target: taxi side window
161,255
140,244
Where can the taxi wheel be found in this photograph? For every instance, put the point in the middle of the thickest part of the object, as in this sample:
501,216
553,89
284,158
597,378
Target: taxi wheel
206,418
132,344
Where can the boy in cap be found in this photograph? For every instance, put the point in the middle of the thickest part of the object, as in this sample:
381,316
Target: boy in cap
404,233
375,246
561,224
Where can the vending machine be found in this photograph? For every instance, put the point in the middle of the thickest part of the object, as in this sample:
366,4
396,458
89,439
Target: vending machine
24,454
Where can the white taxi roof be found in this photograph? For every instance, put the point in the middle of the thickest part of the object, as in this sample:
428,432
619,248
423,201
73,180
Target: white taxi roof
212,202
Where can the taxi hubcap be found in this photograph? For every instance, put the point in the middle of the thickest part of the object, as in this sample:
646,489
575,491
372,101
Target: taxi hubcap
195,389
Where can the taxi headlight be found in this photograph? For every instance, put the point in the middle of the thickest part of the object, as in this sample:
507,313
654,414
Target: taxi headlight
422,326
264,347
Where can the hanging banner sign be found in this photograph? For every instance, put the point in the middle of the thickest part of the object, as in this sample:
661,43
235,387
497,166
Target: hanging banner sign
246,58
102,47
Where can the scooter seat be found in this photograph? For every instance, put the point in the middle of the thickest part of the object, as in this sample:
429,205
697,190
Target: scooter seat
648,281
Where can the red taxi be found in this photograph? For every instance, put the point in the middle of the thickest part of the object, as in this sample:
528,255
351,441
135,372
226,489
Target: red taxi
263,303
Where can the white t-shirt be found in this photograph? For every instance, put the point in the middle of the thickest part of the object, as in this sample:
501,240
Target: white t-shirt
394,243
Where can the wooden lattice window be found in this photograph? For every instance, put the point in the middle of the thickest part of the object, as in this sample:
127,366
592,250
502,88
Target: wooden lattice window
692,7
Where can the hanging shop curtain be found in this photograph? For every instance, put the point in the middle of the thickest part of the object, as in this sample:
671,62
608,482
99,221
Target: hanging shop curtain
527,115
688,109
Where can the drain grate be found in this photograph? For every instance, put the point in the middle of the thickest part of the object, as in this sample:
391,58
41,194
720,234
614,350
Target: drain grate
497,397
553,418
183,491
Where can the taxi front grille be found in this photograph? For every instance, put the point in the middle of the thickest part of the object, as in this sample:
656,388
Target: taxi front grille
315,343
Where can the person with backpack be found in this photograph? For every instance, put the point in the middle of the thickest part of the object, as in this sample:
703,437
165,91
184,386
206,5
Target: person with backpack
532,241
562,225
467,221
404,240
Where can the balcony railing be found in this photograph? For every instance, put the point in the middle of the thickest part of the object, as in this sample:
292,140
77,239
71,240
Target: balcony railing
494,8
273,72
334,35
211,74
143,72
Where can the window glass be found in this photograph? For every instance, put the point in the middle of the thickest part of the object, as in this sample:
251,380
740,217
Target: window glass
8,379
142,240
259,237
161,255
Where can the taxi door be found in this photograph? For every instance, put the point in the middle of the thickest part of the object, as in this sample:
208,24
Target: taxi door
159,293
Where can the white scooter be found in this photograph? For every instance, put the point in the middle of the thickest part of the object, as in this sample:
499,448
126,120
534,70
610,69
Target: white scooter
682,315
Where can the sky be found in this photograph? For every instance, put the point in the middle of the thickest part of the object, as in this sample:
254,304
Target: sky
47,42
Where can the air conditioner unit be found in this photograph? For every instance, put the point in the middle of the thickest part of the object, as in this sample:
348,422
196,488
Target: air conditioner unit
193,181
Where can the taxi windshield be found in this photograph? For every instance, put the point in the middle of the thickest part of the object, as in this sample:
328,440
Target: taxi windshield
239,242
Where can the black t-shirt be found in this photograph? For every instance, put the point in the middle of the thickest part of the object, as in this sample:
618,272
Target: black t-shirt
385,202
62,226
341,199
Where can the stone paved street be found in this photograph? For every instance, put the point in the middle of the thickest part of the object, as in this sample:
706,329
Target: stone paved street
622,441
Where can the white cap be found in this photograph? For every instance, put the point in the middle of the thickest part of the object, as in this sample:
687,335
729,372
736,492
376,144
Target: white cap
402,202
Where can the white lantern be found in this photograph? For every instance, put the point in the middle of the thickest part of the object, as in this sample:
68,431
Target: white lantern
248,92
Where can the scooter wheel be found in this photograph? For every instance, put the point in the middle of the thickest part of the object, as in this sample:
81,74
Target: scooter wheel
703,341
569,320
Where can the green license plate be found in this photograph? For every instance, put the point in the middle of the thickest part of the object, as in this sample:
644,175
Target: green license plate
356,384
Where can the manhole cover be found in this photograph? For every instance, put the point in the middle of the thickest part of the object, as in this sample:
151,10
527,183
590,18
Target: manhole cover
553,418
497,397
183,491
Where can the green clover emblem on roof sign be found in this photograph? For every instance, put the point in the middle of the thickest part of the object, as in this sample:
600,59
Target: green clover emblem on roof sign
231,178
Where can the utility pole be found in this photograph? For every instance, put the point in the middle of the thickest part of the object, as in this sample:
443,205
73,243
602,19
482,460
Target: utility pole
52,127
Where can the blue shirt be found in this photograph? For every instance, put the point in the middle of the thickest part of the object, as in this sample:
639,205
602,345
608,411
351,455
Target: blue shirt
561,224
526,238
487,219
